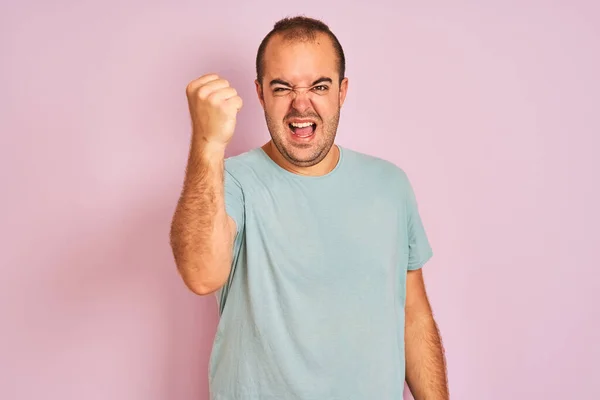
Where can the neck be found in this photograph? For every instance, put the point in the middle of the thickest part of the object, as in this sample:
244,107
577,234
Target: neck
323,167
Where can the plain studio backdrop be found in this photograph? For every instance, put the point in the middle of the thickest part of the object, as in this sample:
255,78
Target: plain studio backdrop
491,107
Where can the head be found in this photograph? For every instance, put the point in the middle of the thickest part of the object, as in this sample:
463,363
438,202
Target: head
301,86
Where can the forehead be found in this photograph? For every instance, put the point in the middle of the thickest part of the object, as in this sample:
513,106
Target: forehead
300,61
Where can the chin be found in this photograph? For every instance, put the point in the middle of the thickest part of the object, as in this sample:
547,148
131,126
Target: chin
304,154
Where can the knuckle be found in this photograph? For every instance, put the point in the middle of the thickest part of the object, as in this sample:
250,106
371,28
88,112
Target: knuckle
213,99
203,93
190,88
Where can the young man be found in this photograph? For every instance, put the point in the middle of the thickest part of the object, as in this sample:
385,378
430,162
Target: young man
314,251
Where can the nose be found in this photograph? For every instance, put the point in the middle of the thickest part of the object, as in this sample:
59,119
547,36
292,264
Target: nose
301,101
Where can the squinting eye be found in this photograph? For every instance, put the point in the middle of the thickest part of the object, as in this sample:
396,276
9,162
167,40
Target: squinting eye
279,90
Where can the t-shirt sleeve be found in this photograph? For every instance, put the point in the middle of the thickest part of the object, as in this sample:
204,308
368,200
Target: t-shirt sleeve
419,248
234,201
234,206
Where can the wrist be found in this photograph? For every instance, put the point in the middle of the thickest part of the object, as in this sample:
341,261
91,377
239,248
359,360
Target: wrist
207,150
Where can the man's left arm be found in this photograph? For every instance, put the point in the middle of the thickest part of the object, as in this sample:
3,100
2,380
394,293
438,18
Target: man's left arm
426,373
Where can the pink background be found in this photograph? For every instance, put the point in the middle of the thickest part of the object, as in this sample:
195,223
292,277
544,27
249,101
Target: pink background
491,107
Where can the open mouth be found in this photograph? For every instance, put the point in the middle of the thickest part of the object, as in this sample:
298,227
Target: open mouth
303,129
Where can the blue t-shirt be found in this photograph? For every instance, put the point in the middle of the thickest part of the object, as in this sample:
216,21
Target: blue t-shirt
314,305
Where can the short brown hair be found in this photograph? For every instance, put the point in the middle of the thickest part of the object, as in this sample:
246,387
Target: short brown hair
299,28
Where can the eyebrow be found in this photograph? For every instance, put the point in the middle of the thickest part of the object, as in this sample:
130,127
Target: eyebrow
322,79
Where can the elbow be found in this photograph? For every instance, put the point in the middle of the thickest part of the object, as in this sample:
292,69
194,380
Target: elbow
203,272
201,281
202,289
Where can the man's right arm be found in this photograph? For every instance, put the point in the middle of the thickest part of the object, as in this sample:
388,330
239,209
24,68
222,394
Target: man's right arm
202,234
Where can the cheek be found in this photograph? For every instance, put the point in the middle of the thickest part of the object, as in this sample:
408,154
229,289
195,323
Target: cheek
276,110
326,109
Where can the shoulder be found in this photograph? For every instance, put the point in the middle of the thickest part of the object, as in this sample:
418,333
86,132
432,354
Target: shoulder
245,163
374,167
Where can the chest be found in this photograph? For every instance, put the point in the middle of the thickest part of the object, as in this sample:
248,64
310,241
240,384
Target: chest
324,235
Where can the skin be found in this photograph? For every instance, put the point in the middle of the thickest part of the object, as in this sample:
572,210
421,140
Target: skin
306,64
426,374
202,234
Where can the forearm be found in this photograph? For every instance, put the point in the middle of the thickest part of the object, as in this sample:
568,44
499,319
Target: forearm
425,360
200,236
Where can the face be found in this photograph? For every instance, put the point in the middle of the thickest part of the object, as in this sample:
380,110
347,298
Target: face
302,97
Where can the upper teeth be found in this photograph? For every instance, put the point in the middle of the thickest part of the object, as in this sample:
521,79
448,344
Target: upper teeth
301,124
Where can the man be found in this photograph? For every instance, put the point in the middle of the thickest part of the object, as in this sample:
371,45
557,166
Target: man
314,251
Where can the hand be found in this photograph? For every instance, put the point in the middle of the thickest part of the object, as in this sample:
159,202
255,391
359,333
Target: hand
213,108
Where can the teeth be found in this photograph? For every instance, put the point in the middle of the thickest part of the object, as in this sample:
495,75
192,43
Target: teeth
301,125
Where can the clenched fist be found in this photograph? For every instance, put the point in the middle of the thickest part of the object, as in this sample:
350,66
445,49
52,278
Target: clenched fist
213,108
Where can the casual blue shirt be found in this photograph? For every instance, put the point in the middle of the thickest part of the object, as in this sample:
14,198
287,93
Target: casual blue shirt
314,305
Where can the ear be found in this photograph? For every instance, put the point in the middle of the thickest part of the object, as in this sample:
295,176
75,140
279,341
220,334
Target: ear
259,92
343,90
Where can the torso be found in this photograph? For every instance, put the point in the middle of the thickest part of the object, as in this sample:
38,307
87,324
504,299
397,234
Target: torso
315,306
